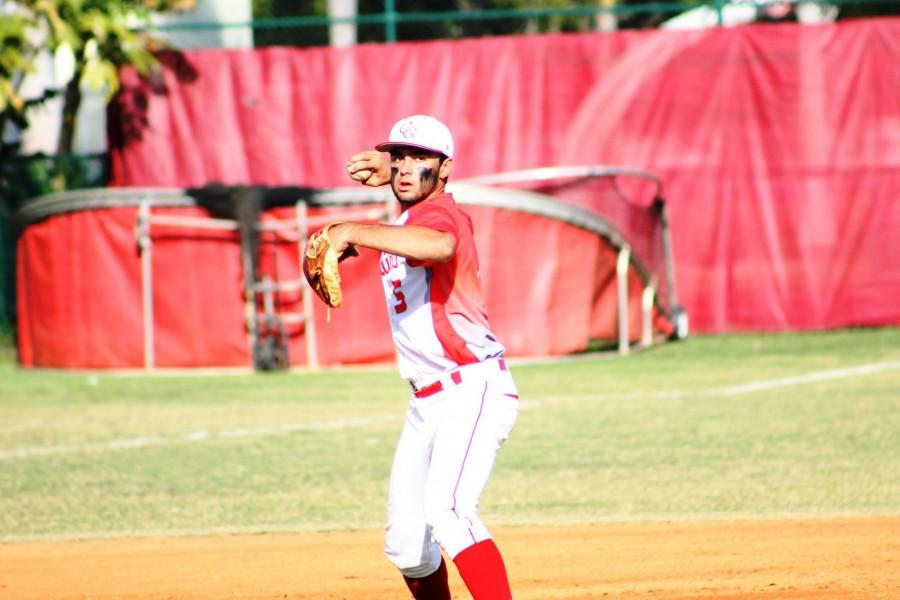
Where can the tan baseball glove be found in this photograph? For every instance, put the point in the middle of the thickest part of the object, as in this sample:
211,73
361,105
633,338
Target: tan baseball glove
320,266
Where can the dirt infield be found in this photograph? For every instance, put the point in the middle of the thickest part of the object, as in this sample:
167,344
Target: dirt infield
814,558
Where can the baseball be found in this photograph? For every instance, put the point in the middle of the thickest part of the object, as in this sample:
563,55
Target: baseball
362,175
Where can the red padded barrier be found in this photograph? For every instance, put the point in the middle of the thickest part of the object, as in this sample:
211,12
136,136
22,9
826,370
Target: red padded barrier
80,287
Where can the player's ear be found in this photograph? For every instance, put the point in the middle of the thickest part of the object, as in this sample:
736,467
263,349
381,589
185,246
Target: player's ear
446,167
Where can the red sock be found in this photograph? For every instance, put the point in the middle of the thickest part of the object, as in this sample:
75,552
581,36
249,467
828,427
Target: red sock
431,587
481,568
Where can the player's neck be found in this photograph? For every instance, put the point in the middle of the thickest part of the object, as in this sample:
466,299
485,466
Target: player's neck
437,191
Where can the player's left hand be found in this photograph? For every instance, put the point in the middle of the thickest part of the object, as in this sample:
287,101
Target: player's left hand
324,250
338,236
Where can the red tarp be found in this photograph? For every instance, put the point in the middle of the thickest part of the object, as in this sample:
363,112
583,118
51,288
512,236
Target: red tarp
778,145
80,293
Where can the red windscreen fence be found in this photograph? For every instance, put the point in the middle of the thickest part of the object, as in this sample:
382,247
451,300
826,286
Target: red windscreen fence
779,145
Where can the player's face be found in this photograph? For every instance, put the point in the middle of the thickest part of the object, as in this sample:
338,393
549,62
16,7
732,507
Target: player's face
417,174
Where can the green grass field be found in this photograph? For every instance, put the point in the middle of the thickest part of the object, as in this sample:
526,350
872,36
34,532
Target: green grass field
741,426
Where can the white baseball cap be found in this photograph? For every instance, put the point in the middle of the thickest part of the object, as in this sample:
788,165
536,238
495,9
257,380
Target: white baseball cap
420,131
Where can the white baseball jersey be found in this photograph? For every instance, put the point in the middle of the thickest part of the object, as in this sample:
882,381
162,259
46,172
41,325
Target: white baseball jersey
437,314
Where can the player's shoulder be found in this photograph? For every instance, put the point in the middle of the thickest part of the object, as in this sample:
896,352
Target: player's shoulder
442,201
443,204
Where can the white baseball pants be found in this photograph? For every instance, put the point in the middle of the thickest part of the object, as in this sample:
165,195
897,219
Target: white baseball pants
443,461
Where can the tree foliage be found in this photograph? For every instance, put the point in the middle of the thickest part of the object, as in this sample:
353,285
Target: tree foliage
96,36
14,61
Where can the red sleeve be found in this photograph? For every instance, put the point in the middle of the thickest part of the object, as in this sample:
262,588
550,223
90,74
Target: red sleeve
433,216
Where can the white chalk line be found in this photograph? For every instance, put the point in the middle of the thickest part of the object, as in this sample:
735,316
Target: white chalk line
197,436
735,390
748,388
339,424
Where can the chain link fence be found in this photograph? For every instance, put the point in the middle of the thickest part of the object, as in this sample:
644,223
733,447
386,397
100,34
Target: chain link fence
288,23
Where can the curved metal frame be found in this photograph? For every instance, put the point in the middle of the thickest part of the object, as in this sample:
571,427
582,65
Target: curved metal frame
567,172
465,192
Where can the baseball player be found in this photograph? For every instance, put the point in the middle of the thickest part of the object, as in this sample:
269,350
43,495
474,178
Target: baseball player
464,402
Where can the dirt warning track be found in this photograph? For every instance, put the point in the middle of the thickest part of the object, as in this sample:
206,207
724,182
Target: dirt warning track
844,558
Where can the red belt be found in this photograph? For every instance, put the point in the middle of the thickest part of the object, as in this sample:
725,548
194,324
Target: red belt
455,377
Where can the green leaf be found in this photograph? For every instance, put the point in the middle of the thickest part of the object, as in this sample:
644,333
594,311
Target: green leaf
101,74
96,24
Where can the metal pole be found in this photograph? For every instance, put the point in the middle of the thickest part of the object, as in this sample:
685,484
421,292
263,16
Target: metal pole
647,317
668,254
344,32
622,299
145,243
309,323
251,320
390,21
607,21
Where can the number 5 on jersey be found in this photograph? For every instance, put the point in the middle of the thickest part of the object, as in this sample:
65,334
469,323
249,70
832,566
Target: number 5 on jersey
400,306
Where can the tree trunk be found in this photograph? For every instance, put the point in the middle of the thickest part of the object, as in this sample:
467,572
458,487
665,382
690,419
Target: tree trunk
71,104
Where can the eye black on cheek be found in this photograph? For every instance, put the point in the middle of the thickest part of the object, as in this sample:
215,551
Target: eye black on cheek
428,176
